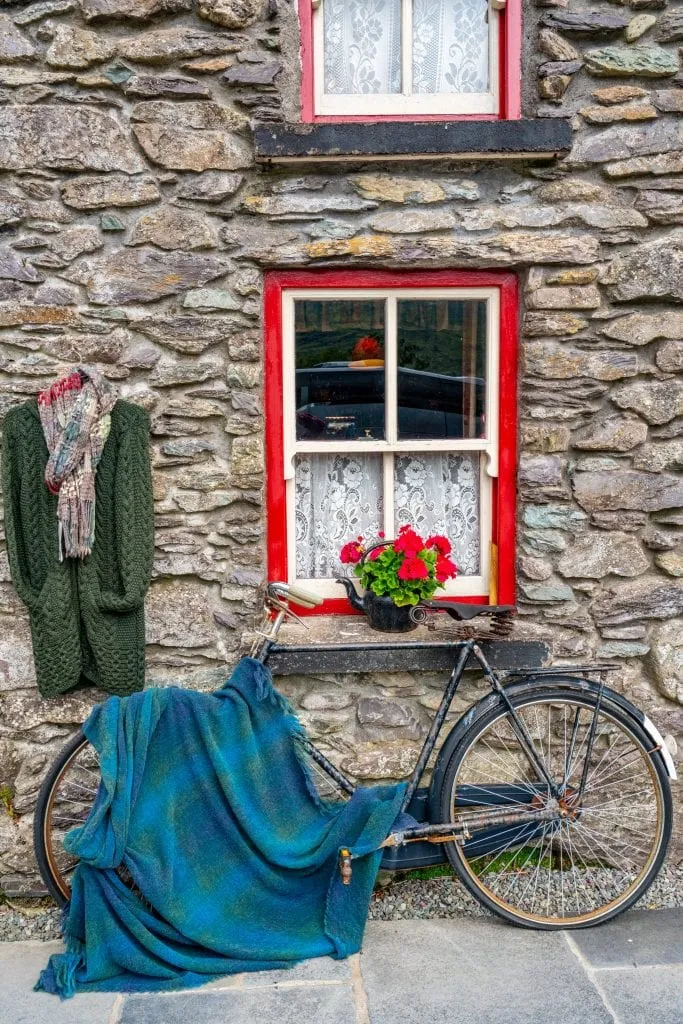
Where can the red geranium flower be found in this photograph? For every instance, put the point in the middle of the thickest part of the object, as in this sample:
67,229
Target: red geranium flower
367,348
375,553
445,569
408,543
441,543
413,569
351,553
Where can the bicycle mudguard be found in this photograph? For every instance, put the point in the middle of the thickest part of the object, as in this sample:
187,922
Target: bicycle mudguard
529,684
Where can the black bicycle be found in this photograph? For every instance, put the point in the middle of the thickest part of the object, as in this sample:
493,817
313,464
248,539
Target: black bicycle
551,795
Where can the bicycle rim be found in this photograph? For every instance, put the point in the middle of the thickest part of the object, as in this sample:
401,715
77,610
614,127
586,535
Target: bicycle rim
576,870
69,794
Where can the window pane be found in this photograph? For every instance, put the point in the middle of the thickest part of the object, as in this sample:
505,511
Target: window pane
440,494
339,370
450,46
362,41
441,368
338,498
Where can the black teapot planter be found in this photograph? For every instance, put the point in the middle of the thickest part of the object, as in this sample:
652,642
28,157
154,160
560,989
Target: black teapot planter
381,612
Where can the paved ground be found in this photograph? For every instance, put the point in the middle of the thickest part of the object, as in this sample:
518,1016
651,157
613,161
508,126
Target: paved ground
469,970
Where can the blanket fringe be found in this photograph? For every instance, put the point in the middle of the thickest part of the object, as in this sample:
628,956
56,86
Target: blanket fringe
59,977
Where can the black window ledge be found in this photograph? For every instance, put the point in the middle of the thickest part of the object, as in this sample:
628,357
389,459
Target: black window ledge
527,139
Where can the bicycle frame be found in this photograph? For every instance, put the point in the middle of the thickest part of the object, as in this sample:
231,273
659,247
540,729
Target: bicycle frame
447,831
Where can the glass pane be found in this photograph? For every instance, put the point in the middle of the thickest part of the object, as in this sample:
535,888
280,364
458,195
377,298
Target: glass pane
440,494
362,42
339,370
338,498
450,46
441,368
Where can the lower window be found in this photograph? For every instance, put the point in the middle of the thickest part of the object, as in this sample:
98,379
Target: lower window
391,401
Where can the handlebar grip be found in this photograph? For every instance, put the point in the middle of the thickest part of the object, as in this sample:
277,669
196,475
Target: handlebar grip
306,598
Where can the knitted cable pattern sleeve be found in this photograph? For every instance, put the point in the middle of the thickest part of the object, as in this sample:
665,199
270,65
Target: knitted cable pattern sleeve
22,520
133,512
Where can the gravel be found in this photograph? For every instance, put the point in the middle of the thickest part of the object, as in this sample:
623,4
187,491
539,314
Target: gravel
400,900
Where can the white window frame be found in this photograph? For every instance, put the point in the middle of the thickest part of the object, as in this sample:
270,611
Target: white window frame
405,103
488,447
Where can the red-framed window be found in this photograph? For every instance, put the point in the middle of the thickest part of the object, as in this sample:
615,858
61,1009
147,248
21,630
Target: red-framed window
390,397
415,60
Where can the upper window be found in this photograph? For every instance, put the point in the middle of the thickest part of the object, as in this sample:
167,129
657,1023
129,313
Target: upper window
404,58
384,410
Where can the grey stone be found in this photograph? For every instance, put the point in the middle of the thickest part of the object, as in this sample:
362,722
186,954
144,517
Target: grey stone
247,456
76,241
659,455
195,136
318,700
135,10
168,373
621,142
668,100
170,227
36,12
96,193
649,597
586,23
666,660
572,297
670,28
594,555
210,187
618,112
671,562
549,359
166,45
324,1004
541,474
14,45
414,221
656,401
615,433
253,74
645,61
554,517
624,633
304,205
78,48
178,614
393,760
631,941
638,26
142,275
642,328
555,47
231,13
14,268
622,649
381,711
627,489
64,138
655,270
392,189
189,334
662,163
546,438
543,593
535,568
210,298
544,324
166,85
636,995
669,356
660,207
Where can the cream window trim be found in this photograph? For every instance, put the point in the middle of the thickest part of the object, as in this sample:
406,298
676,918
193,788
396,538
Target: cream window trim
405,103
488,447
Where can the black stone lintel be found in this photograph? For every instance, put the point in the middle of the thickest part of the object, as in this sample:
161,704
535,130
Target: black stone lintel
526,139
287,660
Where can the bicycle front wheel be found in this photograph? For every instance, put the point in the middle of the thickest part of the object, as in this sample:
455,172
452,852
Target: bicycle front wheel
602,850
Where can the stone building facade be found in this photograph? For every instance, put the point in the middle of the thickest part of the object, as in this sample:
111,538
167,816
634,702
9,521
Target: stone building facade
136,229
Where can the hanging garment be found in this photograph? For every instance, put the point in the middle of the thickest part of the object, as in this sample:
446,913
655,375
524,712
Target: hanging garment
208,805
86,615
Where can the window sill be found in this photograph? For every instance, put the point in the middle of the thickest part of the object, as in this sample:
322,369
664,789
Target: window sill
530,139
348,644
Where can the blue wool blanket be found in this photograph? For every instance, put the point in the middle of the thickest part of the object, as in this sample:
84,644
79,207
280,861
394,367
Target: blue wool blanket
206,801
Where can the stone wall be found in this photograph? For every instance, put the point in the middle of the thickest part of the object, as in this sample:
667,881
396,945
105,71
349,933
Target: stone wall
135,232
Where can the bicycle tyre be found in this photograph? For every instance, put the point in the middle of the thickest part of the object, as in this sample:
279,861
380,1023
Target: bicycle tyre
477,726
46,835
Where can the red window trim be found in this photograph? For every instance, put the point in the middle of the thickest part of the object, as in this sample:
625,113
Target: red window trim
504,490
510,62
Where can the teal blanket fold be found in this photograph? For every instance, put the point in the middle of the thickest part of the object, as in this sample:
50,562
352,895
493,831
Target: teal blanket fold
207,802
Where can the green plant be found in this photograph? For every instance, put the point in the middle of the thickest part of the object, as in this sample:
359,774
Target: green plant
7,801
408,569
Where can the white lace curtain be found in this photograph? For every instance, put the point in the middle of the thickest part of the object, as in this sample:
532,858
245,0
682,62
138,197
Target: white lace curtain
339,497
362,44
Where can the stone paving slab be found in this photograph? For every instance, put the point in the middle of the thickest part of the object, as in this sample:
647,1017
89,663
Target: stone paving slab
648,995
462,971
632,941
20,965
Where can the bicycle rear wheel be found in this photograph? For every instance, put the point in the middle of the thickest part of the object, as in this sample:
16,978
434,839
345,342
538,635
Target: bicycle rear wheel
602,850
64,802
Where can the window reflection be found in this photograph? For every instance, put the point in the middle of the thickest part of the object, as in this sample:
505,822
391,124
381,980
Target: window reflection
339,370
441,368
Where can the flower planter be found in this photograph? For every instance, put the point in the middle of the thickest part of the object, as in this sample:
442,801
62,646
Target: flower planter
386,616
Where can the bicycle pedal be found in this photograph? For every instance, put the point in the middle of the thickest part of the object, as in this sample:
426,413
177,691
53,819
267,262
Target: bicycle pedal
345,869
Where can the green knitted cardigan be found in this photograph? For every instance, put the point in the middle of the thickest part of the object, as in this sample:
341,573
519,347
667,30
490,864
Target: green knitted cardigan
86,616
